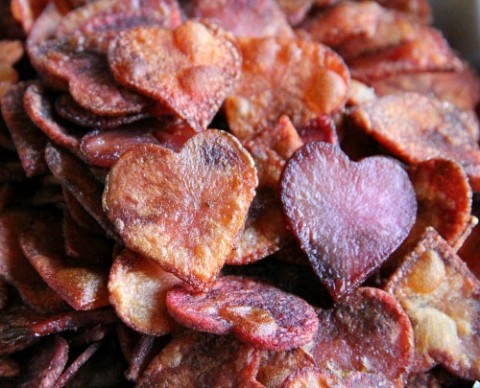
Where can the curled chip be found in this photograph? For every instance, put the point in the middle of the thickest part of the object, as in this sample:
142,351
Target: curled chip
415,127
348,216
185,209
82,287
301,79
202,360
133,275
29,140
368,332
442,299
190,69
257,314
260,18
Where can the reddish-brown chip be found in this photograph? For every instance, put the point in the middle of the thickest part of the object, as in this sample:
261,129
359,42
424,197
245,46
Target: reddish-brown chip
428,51
444,202
73,368
40,111
348,216
462,89
183,210
80,215
470,251
301,79
16,269
43,29
47,364
67,108
415,127
264,232
417,9
27,11
368,332
275,367
202,360
77,179
143,353
442,299
262,18
322,128
133,275
12,51
255,313
190,70
3,293
8,367
306,377
82,287
295,10
29,140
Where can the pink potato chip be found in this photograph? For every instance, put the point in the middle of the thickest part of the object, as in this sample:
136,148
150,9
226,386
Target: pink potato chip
295,10
348,216
82,287
254,313
27,11
185,209
306,377
284,76
367,332
190,69
260,18
131,275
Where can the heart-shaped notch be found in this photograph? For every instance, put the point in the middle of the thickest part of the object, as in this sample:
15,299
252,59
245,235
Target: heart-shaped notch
348,216
183,210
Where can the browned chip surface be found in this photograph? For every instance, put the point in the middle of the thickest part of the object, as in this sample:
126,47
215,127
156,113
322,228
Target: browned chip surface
183,210
293,77
442,299
191,69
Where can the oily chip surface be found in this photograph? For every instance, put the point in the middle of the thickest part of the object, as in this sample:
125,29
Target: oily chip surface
183,210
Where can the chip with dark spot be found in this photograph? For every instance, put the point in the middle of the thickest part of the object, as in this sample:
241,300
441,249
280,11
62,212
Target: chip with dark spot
414,128
442,299
28,139
203,66
132,275
367,332
348,216
255,313
297,78
186,208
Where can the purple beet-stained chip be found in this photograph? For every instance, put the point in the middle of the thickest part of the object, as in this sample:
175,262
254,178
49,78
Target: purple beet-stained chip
254,313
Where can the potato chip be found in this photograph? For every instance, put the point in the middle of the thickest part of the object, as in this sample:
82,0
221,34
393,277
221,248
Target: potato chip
346,231
470,252
414,128
254,313
82,287
295,10
193,202
262,18
202,68
12,52
8,367
27,11
3,293
417,9
80,215
132,275
368,332
277,79
146,348
306,377
29,141
443,310
204,360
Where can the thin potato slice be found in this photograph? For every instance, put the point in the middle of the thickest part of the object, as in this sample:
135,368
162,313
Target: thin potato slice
82,287
368,332
190,69
415,128
300,79
257,314
348,216
260,18
185,209
132,275
442,299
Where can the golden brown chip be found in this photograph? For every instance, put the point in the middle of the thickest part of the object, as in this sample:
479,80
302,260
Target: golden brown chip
191,69
300,79
415,128
183,210
12,51
442,299
137,287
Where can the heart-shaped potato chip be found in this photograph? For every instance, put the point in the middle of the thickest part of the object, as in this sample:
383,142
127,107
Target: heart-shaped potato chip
348,217
191,69
183,210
